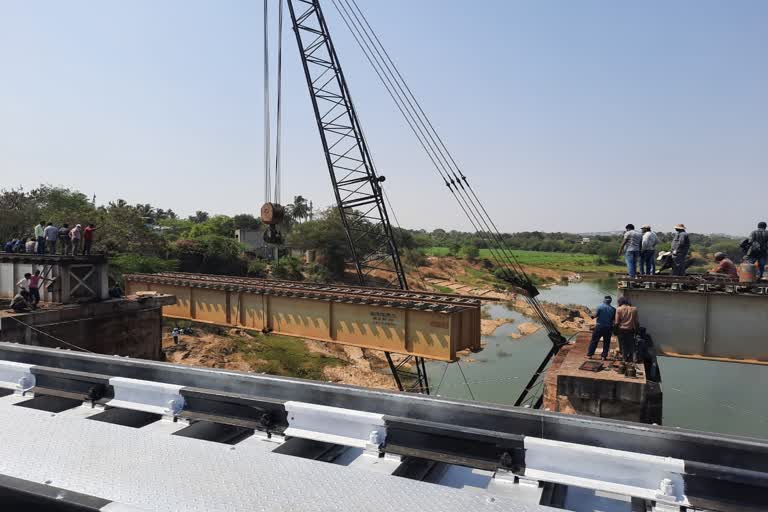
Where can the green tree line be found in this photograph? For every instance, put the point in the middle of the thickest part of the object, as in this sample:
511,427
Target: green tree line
147,238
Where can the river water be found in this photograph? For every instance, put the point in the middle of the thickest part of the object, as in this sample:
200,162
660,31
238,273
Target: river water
699,395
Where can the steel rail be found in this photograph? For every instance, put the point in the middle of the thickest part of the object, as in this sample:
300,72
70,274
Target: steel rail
383,299
357,290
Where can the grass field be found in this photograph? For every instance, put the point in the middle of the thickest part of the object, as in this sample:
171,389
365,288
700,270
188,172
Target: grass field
568,262
283,355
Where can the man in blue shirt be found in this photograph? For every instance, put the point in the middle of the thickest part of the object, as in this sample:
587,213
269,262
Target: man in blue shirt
605,315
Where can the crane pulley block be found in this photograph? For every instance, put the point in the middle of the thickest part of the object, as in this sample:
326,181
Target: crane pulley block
272,214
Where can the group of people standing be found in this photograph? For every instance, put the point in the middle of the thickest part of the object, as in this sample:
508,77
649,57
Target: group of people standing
623,321
639,249
49,238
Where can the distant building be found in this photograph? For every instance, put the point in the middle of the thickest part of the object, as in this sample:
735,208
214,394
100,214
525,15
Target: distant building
252,239
585,240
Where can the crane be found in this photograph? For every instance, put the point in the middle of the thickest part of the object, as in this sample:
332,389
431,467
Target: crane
357,185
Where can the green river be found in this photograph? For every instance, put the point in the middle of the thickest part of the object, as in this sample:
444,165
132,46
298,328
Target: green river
698,395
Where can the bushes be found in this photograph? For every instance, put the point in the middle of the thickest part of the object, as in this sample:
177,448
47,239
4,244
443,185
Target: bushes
318,274
257,268
469,253
210,254
414,257
288,268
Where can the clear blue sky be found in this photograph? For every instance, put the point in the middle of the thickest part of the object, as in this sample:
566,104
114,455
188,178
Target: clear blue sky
567,116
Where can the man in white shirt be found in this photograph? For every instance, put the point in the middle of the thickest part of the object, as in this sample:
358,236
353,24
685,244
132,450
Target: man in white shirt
648,251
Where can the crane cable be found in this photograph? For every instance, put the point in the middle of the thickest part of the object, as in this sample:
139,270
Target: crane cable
267,122
433,145
278,129
419,124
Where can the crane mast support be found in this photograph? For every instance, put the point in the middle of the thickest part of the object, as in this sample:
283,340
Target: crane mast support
357,187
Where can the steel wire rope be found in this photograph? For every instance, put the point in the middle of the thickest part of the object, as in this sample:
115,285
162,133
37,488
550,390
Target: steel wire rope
267,122
404,101
508,262
425,118
410,123
464,202
278,114
50,335
458,363
445,369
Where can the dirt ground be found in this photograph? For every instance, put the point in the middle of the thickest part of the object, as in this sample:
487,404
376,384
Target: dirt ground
207,350
362,367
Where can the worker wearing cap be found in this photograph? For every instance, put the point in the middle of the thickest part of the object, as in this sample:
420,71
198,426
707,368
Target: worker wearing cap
648,251
725,266
604,314
681,244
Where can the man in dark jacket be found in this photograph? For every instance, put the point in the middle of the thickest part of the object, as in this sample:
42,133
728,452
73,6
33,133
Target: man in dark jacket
604,315
681,244
758,250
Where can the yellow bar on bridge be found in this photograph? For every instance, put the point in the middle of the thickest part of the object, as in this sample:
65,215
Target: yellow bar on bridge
429,325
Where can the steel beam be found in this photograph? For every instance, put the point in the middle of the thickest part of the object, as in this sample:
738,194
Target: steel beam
706,325
415,324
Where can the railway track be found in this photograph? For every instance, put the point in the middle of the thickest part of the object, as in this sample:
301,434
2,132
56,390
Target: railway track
441,302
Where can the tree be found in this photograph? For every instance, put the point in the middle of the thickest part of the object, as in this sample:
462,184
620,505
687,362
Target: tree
16,214
219,225
210,254
326,234
246,221
470,253
199,217
299,209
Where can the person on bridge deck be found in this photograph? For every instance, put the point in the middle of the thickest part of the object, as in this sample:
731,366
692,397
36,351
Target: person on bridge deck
30,246
19,303
175,333
724,267
75,235
51,234
758,252
23,285
35,280
64,241
88,239
627,323
40,237
681,244
8,247
630,246
604,314
18,245
648,251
